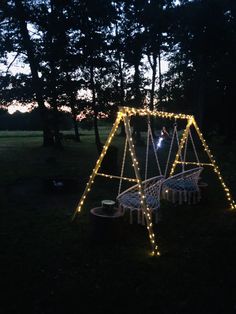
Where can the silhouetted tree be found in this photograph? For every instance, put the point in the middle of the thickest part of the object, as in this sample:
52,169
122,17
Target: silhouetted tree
15,15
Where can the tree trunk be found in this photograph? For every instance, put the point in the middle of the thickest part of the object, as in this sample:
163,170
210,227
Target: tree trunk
137,93
122,89
120,68
57,135
75,124
122,92
73,110
36,82
53,76
160,78
138,103
201,92
154,71
95,119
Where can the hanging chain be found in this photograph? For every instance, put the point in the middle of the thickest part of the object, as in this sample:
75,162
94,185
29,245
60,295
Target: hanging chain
147,149
155,152
123,165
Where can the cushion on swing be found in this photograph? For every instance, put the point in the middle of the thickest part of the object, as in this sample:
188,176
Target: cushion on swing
133,200
181,185
130,198
183,181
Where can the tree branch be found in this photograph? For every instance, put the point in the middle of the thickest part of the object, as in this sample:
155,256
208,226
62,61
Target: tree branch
9,66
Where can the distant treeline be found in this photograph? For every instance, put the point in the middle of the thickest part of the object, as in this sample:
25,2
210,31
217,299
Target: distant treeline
30,121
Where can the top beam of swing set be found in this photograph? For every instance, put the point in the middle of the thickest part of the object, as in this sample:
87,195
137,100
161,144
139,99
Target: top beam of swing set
161,114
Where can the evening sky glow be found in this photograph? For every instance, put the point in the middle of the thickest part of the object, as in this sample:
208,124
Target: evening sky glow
16,66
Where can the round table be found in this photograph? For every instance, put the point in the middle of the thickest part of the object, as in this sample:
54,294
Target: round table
105,213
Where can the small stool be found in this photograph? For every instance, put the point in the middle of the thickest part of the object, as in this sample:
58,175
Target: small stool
106,225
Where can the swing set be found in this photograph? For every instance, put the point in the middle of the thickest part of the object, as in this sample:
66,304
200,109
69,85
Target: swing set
145,195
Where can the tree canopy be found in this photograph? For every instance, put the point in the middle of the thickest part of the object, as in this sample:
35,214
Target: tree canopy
116,50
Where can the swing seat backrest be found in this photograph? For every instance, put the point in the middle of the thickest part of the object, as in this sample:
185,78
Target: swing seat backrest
185,181
131,198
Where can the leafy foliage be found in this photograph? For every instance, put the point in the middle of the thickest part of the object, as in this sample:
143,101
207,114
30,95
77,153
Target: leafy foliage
110,46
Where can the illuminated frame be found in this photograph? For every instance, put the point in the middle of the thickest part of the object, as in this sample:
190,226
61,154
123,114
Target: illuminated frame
124,115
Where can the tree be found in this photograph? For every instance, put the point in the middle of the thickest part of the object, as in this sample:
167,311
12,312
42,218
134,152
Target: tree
156,23
94,26
15,17
60,60
203,47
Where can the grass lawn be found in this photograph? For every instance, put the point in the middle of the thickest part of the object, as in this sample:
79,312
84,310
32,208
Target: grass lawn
51,265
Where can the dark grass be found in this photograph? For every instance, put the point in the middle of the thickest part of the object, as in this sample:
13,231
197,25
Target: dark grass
50,265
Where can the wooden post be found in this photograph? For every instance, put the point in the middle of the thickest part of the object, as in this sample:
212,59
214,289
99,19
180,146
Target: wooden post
181,145
144,206
216,168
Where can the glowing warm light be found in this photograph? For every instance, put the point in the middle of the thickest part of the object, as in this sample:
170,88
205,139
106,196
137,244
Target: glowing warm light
116,177
85,94
88,112
192,121
23,108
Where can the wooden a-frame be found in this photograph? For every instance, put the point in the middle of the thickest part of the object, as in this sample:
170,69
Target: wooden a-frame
124,114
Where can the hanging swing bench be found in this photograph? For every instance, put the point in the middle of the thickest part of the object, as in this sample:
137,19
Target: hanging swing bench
182,187
130,199
178,188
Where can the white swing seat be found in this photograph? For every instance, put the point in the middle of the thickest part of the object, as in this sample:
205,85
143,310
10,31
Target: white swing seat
183,187
130,199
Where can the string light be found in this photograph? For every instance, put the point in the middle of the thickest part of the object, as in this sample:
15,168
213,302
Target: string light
145,208
161,114
192,121
216,168
116,177
181,144
194,163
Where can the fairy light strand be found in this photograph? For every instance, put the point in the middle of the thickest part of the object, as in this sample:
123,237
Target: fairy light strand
161,114
181,145
216,168
109,176
145,208
194,163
